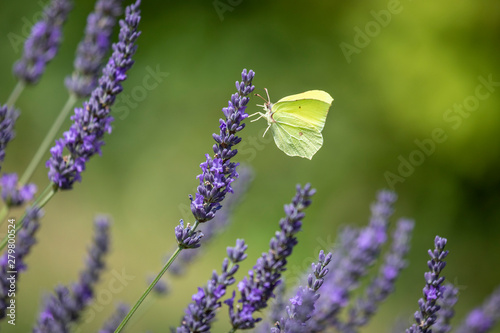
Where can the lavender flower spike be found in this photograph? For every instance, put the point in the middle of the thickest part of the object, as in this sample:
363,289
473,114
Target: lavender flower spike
383,284
482,319
258,287
302,305
85,136
433,289
219,172
356,254
66,306
201,312
221,220
8,117
12,195
446,312
93,47
25,239
43,43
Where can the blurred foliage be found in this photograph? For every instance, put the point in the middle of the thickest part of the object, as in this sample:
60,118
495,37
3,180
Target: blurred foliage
395,90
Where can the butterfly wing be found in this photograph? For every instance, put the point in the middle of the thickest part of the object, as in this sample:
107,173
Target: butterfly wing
310,106
294,136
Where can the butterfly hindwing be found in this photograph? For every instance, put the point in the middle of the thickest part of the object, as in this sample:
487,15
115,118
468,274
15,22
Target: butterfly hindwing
295,137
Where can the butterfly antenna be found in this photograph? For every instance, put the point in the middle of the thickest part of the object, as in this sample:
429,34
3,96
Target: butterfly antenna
267,93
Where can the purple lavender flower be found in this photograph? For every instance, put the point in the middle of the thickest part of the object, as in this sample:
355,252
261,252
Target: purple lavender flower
258,287
383,284
482,319
67,304
433,289
11,194
93,47
10,269
201,312
302,305
43,43
85,136
357,252
221,220
219,172
446,312
186,237
114,321
8,117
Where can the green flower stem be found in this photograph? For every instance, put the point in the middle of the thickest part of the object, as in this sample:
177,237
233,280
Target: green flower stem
14,95
145,294
41,201
49,138
151,286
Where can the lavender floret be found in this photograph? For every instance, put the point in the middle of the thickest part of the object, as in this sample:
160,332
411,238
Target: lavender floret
256,289
93,47
43,43
8,117
433,289
201,312
186,237
25,239
85,137
12,195
218,171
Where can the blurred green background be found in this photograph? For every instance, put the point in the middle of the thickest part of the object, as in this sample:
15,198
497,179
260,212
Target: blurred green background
393,84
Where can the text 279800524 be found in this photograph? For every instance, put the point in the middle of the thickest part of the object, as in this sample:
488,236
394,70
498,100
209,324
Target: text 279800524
12,272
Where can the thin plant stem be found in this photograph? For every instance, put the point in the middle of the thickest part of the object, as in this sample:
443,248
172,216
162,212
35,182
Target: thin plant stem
151,286
41,201
49,138
14,95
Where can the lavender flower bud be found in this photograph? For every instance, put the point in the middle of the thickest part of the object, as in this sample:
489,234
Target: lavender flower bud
433,289
8,117
201,312
25,239
12,195
482,319
85,137
43,43
256,289
93,47
67,305
219,172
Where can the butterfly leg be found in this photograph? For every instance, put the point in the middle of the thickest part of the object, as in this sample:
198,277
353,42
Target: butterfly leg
266,130
253,114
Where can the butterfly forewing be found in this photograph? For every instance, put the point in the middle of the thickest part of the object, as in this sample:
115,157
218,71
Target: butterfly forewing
310,106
